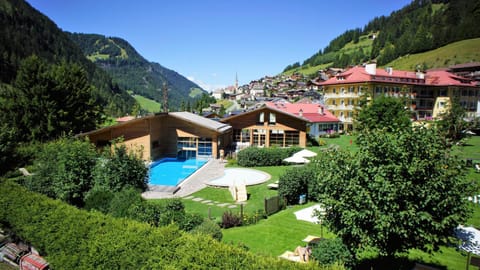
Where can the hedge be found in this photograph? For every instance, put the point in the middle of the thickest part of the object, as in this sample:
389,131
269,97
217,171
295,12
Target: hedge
270,156
71,238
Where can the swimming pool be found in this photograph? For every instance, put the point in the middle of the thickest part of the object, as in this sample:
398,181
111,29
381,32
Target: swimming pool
172,171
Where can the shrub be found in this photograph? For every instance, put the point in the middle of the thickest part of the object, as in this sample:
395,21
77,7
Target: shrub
63,170
119,169
99,198
230,219
294,182
253,218
76,239
209,227
331,251
272,156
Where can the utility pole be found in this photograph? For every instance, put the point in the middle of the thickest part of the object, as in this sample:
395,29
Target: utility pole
165,96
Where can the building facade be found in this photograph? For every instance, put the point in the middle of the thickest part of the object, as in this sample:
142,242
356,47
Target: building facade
344,92
265,127
173,134
320,120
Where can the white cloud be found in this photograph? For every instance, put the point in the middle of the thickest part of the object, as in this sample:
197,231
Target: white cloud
208,87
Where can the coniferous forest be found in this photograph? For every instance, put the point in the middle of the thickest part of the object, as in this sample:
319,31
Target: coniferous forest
420,26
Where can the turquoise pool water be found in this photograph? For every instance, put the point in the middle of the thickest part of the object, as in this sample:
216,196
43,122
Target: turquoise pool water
172,171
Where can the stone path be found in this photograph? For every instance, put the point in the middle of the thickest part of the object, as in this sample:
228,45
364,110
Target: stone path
210,202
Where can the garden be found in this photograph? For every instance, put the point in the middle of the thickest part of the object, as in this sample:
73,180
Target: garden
282,231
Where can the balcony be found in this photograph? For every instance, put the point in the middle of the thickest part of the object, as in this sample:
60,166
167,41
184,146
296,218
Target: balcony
340,107
345,119
342,95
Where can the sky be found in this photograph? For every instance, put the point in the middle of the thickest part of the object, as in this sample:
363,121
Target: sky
213,42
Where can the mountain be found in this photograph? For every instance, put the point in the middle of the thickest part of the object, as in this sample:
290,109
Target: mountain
421,26
133,72
25,31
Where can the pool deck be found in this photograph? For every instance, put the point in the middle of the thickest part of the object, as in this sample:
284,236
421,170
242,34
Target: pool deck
214,168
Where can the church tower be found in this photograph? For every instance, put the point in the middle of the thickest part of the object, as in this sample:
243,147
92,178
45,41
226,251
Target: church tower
236,82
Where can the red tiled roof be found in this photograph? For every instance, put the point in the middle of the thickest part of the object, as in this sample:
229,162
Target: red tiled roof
445,78
358,74
124,119
310,111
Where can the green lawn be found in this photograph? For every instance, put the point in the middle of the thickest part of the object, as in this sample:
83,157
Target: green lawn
281,231
255,202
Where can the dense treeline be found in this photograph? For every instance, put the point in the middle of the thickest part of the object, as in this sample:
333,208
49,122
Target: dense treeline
76,239
47,101
26,32
420,26
133,72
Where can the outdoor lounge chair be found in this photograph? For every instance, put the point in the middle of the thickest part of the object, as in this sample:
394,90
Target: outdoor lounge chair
25,172
273,185
291,256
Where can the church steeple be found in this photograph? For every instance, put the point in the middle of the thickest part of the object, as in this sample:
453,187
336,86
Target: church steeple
236,82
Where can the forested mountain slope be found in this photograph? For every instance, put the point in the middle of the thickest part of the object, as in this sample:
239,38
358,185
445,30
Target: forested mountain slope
24,32
133,72
420,26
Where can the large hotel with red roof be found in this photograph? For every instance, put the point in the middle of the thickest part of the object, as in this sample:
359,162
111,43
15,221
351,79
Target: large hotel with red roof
427,93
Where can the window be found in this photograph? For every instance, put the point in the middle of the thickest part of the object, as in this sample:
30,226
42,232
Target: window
242,135
276,137
272,118
292,138
204,147
261,118
259,137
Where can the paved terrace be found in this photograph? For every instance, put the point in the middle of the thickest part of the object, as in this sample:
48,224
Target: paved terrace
214,168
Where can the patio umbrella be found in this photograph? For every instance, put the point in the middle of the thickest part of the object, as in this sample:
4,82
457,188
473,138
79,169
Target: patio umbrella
305,153
307,213
470,238
296,159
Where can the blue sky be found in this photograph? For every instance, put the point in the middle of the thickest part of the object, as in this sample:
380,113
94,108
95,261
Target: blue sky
209,41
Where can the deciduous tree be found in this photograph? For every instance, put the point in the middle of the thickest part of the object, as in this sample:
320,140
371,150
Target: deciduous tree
383,112
401,190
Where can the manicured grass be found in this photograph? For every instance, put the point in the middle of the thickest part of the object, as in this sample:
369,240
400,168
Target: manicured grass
344,142
280,232
255,202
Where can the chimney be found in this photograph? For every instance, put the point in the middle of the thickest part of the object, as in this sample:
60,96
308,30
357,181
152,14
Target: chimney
300,113
371,68
320,110
389,70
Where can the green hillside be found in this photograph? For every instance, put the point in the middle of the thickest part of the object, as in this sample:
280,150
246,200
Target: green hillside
147,104
131,71
360,47
420,26
456,53
25,32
